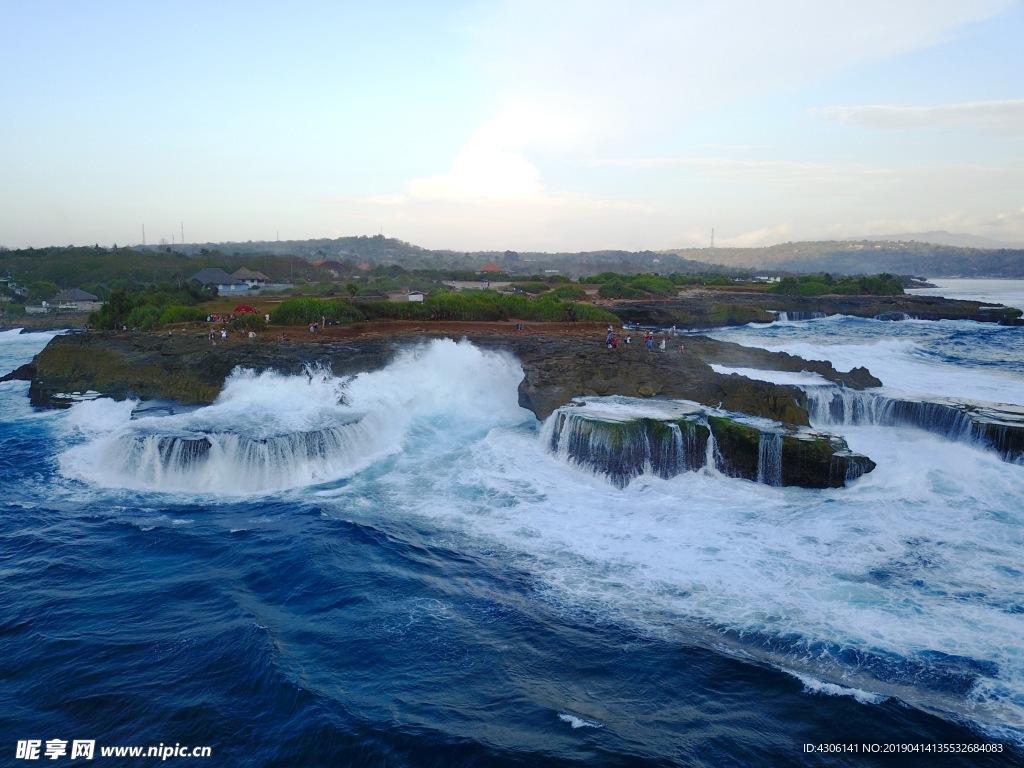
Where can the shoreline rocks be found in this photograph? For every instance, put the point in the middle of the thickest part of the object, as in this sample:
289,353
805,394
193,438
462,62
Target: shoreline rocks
561,363
556,368
702,308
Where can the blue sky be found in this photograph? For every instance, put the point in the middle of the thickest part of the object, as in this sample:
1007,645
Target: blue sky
523,125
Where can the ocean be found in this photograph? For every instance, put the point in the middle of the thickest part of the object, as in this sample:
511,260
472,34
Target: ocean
394,570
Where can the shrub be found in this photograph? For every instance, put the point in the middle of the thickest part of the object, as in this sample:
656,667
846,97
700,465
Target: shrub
659,286
440,305
532,288
619,291
179,314
248,322
144,317
308,311
569,292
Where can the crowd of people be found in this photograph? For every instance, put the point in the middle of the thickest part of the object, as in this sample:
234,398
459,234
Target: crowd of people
612,340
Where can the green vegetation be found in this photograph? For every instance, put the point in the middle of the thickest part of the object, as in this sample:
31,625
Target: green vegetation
146,287
372,260
619,290
441,305
248,322
616,286
532,288
309,311
550,279
823,283
860,257
146,310
570,292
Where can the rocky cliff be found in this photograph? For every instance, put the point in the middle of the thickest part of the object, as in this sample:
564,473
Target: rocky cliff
707,308
556,367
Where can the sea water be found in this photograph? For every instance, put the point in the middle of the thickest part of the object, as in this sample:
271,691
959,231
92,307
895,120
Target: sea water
393,569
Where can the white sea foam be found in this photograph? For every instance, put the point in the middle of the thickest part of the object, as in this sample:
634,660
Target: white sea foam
813,685
916,561
578,722
906,363
17,348
1009,293
774,377
915,565
919,557
270,431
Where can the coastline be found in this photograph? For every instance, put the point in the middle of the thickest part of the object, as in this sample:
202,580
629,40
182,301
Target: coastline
561,360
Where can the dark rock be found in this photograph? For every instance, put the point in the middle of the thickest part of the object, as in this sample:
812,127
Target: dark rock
705,308
997,427
24,372
556,369
773,454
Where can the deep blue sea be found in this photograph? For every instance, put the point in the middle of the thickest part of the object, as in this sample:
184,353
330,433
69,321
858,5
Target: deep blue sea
392,570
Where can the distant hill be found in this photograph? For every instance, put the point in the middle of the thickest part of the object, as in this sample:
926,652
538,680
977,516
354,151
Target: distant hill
863,257
92,268
940,237
378,250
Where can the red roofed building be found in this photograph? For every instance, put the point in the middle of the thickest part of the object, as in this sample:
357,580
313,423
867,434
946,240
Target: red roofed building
491,268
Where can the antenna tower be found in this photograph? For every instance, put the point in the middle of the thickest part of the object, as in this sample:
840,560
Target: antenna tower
712,237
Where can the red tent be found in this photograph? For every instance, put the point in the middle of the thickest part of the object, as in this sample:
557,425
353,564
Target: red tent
244,308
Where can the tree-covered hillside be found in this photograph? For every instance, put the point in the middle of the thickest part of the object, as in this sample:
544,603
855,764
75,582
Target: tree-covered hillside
103,270
868,257
100,270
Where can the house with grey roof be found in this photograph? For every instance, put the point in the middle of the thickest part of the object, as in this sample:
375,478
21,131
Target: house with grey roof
251,278
217,277
76,299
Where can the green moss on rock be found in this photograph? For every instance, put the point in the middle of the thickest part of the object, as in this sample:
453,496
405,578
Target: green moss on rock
738,447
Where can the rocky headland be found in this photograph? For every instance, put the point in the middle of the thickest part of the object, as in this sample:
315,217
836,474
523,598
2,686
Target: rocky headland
561,362
699,308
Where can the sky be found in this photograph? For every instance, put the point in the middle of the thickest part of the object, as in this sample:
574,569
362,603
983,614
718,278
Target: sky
554,125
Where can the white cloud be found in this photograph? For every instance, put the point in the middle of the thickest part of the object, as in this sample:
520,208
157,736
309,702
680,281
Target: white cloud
493,164
769,174
482,171
612,67
584,78
382,200
1005,116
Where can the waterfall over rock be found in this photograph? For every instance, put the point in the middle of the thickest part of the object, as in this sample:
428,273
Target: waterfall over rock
793,315
999,428
769,458
626,448
218,460
623,439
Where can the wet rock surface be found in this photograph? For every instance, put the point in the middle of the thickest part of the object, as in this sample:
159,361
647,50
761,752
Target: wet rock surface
557,367
702,308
